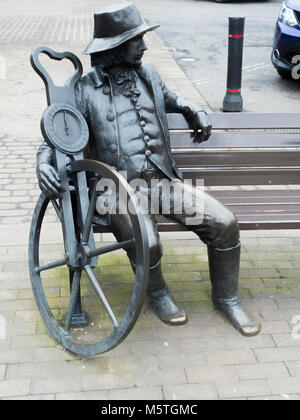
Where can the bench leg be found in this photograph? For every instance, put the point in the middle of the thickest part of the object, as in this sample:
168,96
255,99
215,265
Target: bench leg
80,318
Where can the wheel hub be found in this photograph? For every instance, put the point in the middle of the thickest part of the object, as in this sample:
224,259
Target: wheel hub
83,251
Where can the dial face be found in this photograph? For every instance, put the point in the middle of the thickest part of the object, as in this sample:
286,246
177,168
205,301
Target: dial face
65,128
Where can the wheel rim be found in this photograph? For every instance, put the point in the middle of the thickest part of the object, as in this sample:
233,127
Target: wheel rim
128,320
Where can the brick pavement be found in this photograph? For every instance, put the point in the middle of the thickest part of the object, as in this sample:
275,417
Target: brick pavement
205,359
23,95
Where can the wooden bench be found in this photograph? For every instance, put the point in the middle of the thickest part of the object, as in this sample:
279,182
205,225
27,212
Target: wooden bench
245,149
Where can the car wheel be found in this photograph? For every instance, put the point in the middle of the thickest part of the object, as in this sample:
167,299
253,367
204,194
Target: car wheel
285,74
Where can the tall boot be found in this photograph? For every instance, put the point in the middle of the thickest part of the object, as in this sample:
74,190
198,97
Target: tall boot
162,301
224,273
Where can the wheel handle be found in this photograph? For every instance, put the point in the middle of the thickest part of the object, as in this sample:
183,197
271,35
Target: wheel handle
54,93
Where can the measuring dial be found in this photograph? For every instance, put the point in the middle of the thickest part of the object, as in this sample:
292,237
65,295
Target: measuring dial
65,128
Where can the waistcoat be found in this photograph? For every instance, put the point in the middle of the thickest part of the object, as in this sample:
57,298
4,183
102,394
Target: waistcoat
140,134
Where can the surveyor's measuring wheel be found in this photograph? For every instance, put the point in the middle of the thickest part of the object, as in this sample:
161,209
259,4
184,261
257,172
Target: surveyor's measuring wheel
69,250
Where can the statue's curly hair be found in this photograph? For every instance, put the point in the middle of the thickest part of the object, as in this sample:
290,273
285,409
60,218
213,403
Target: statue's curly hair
110,58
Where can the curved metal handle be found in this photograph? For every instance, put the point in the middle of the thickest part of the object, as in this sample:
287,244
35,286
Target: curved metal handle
42,72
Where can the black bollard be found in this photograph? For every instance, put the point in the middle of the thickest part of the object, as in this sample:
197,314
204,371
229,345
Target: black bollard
233,101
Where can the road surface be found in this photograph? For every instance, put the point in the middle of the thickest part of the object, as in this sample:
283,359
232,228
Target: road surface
196,32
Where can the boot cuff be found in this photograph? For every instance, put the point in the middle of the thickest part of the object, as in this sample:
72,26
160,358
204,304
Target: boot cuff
154,294
233,301
228,249
153,267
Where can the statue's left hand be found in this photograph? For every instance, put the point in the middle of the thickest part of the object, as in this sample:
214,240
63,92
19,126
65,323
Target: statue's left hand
201,126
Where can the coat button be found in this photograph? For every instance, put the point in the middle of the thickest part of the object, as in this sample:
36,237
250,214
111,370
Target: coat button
106,90
110,117
113,148
138,107
146,138
142,123
148,153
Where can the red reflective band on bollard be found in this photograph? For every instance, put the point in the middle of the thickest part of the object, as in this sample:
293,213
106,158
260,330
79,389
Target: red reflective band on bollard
235,36
233,90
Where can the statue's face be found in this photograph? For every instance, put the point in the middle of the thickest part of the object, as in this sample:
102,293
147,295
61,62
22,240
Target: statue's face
134,51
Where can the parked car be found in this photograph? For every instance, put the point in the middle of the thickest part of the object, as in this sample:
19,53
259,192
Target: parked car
286,45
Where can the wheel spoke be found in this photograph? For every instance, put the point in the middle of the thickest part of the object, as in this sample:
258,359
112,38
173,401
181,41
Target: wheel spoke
101,295
54,264
73,298
110,248
57,209
90,213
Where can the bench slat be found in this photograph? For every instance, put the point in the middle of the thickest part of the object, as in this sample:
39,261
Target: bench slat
244,223
263,194
228,177
237,139
282,222
241,120
236,158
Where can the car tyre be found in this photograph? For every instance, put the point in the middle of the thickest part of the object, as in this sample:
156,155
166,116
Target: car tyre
285,74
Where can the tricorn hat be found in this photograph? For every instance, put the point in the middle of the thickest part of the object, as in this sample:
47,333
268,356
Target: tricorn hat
115,25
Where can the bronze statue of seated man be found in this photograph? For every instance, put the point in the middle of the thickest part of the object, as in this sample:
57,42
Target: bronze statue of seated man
125,102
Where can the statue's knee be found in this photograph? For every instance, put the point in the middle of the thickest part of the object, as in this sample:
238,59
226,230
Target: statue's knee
227,232
155,254
231,231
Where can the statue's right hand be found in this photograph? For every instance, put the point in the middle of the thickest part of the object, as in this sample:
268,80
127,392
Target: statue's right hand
49,180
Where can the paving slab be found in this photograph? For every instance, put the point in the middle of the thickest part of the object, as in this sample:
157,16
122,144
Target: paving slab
236,389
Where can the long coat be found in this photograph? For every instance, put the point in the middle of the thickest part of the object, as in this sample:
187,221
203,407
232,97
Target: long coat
97,106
